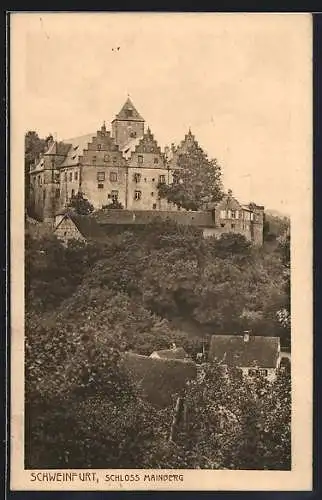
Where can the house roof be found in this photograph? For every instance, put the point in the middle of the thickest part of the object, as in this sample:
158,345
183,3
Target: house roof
130,146
86,225
234,351
160,380
129,112
76,148
178,353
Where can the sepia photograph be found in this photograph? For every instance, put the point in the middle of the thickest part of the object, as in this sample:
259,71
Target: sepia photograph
161,215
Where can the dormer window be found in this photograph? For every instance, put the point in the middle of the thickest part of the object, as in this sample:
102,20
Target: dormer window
75,147
73,157
129,112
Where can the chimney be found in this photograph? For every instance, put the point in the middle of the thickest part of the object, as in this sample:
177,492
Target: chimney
246,336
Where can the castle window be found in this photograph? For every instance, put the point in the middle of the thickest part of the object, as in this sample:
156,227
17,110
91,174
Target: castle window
263,372
137,195
223,214
137,177
106,158
75,147
94,159
100,186
114,195
75,176
73,157
129,112
152,194
156,160
162,179
222,224
252,216
113,176
233,214
70,176
57,193
56,177
65,176
233,226
140,159
114,159
133,134
101,176
154,206
73,193
153,180
99,146
252,372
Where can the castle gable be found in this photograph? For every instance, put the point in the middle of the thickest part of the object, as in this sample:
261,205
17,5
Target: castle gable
148,144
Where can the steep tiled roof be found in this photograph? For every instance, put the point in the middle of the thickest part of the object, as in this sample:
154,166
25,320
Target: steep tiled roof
76,148
178,353
130,146
160,380
86,225
234,351
129,112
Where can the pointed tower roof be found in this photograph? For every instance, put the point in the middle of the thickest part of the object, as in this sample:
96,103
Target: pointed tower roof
129,112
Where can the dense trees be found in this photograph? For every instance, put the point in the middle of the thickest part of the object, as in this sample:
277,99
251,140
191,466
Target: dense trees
88,303
196,181
80,204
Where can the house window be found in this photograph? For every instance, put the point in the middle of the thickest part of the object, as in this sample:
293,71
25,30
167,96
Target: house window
229,214
94,159
251,216
153,180
156,160
137,195
152,194
99,146
100,186
233,226
129,112
162,179
222,224
106,158
114,159
113,176
252,372
137,177
65,176
73,193
75,176
70,176
57,193
154,206
233,214
263,372
101,176
140,159
223,214
114,195
56,177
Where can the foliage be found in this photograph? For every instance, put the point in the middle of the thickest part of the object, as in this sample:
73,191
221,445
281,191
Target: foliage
34,147
115,204
80,204
196,181
86,304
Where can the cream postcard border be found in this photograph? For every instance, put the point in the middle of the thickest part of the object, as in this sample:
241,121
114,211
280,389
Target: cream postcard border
300,478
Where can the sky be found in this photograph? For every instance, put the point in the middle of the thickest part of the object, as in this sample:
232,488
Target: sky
241,82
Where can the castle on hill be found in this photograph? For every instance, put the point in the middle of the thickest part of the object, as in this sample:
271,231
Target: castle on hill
126,165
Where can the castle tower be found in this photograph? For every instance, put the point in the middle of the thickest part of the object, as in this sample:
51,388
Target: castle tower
128,124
